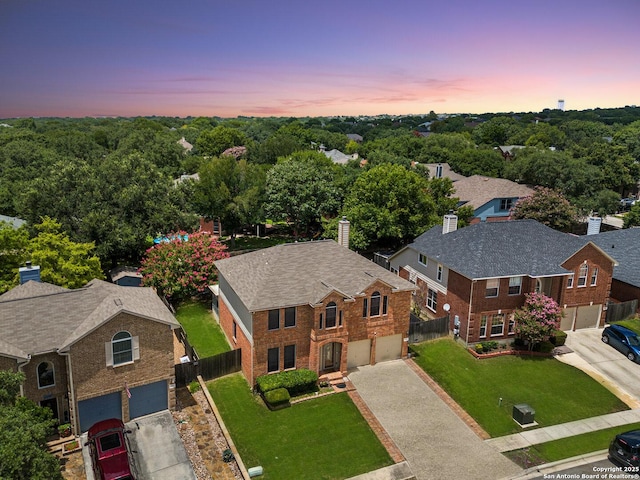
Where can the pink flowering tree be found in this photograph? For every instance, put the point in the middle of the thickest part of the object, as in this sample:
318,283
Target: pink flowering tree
183,266
538,318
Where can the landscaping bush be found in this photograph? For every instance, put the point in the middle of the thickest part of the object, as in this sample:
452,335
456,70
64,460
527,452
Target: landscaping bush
295,381
544,347
277,398
479,348
558,338
484,347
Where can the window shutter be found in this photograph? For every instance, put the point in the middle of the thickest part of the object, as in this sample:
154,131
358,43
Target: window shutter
136,348
108,352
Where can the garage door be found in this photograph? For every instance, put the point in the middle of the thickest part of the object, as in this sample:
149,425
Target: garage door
388,348
148,399
566,324
99,408
588,316
358,353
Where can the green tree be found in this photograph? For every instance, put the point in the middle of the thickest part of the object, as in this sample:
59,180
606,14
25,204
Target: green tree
215,141
24,428
232,190
538,318
549,207
13,244
300,189
632,218
388,205
183,266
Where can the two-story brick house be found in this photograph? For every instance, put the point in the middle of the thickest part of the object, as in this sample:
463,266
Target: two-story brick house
482,272
91,353
315,305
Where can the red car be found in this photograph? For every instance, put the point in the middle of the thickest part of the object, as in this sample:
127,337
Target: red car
109,452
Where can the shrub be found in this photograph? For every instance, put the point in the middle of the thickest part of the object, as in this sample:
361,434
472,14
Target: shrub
295,381
479,348
194,386
558,338
278,397
543,347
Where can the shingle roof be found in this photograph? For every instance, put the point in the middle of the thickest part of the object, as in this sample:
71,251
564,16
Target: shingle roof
446,171
477,190
39,317
624,246
500,249
301,273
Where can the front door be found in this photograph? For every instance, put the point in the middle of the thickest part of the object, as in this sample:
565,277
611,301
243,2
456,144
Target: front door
51,404
330,358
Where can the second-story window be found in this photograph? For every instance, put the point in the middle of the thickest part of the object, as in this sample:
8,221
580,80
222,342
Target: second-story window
515,284
570,281
506,204
493,284
274,319
374,311
582,276
594,277
331,315
422,258
289,317
439,273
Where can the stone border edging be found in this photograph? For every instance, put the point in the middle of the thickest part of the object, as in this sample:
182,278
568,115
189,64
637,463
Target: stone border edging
223,427
521,353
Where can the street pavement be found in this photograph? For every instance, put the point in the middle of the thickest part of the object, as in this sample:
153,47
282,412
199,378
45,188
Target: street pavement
435,441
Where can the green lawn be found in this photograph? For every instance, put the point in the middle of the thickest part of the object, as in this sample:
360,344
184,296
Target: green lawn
203,332
323,438
630,323
251,242
488,389
571,446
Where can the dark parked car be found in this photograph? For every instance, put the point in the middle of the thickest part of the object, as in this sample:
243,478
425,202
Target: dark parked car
622,339
110,454
623,451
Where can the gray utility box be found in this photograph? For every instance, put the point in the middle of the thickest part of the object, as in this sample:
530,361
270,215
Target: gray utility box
523,413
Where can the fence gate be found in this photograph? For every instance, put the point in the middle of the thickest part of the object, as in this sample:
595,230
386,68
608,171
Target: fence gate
421,330
620,311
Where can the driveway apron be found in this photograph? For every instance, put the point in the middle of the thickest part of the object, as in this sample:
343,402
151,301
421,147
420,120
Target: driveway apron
434,440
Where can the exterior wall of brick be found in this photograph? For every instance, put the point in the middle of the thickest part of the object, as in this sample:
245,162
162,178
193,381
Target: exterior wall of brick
309,338
7,363
56,392
240,341
623,292
93,378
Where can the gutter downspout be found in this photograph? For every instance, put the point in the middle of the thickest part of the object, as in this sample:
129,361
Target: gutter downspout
20,369
473,283
72,394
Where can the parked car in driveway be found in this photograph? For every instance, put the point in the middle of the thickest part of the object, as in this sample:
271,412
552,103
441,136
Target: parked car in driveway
623,340
623,451
110,452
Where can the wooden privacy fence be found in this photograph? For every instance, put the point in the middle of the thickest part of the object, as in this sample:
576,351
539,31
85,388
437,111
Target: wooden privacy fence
620,311
421,330
209,368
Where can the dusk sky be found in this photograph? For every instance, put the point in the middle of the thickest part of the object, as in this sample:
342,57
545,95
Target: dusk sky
301,58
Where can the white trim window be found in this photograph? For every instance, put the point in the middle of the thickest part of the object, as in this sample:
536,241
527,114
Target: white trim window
331,315
289,317
122,349
493,287
374,308
422,259
570,281
483,327
594,277
46,375
497,325
515,285
439,273
582,275
432,300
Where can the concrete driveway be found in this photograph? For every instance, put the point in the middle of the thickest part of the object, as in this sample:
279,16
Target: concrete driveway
434,440
158,450
604,363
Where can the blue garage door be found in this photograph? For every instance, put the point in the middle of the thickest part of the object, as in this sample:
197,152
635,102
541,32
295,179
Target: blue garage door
148,399
99,408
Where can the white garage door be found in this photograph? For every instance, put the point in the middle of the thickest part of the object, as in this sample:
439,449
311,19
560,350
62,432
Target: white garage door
358,353
388,348
588,316
99,408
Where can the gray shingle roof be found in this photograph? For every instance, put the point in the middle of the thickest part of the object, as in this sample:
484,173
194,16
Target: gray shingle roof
500,249
39,317
624,246
301,273
477,190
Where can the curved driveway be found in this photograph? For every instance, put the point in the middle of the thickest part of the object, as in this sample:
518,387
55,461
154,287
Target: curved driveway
434,440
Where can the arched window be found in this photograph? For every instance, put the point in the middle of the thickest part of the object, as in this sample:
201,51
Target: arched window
374,310
331,315
122,348
46,377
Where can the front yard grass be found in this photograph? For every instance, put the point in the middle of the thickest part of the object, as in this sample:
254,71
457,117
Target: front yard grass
323,438
568,447
631,324
488,389
203,332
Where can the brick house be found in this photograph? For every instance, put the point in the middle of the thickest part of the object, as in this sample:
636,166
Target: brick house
315,305
91,353
482,272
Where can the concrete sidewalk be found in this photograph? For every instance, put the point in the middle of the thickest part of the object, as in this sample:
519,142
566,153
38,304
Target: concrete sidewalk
554,432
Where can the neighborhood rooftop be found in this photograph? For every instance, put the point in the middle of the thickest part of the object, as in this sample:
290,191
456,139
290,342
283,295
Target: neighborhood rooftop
500,249
61,316
282,275
624,246
477,190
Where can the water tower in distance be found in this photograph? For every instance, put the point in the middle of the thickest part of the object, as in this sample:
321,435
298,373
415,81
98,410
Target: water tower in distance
561,105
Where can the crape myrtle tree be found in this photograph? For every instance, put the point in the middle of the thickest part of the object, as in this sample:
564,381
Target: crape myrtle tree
537,319
183,266
548,207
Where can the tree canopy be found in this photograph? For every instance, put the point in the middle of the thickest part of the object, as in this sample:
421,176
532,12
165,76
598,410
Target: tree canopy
549,207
